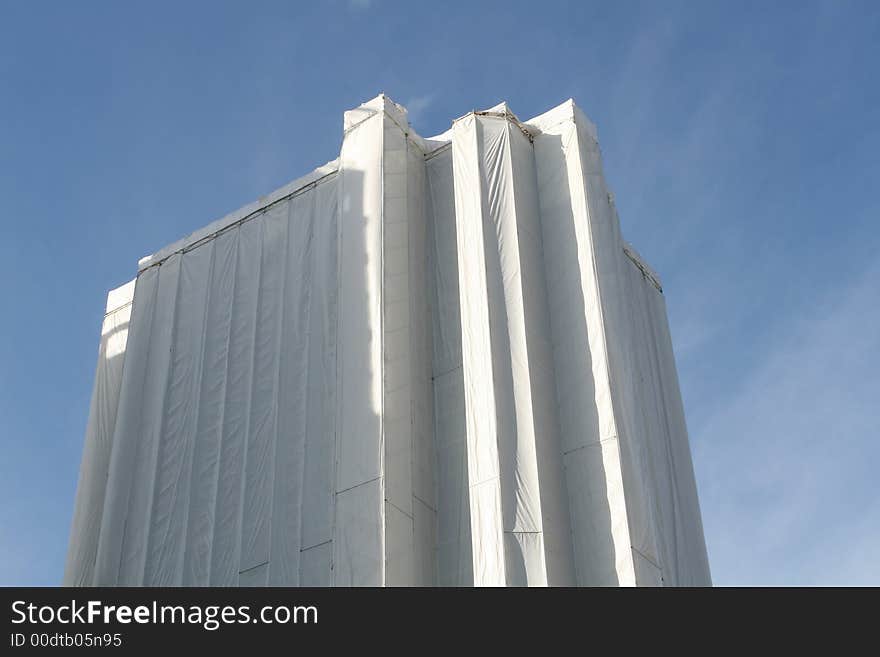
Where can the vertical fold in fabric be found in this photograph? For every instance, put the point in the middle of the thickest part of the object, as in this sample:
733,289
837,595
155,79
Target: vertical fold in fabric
125,433
260,458
668,473
507,352
481,421
94,470
398,389
149,426
454,565
294,235
211,411
227,539
408,432
606,249
541,389
170,505
588,425
424,485
318,479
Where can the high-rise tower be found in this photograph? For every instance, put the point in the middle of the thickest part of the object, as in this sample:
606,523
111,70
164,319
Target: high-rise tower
428,362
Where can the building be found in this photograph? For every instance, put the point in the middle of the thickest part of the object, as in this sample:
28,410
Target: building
428,362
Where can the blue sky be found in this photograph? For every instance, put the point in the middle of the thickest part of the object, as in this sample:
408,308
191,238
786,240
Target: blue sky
741,140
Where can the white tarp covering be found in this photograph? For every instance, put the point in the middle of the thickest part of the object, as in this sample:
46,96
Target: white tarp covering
429,362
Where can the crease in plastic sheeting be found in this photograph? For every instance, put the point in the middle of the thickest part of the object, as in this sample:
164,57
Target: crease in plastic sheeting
167,528
240,532
480,410
595,490
637,424
632,429
642,426
525,558
292,354
610,286
603,512
152,423
668,470
693,568
407,369
657,434
94,469
671,503
124,441
398,389
691,560
262,417
226,543
180,557
541,388
125,438
596,320
424,489
490,567
455,560
209,426
489,258
319,480
453,537
520,496
446,332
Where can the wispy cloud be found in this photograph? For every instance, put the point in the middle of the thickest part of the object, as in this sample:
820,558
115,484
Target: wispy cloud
417,106
787,466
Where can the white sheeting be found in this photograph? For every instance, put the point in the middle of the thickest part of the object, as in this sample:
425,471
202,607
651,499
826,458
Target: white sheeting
453,529
92,486
430,362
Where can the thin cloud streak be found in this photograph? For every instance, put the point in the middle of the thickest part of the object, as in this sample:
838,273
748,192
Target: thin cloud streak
785,464
417,106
